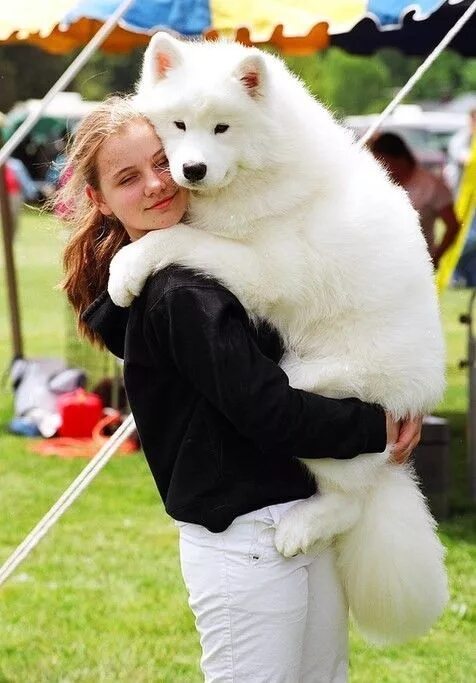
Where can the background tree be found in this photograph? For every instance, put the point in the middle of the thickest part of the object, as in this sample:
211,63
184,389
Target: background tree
348,84
27,72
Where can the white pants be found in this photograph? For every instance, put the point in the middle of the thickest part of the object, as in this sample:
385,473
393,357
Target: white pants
263,618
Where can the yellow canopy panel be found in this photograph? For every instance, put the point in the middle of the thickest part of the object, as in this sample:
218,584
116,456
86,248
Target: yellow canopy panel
298,17
23,17
298,27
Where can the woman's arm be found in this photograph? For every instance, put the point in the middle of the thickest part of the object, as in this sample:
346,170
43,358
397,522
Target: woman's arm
452,228
208,335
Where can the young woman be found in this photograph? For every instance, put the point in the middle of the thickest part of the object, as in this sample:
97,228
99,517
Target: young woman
221,428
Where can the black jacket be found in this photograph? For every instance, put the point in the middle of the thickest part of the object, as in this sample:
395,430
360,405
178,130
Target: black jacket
220,426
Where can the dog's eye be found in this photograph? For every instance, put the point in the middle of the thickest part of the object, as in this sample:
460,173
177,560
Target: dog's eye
180,125
221,128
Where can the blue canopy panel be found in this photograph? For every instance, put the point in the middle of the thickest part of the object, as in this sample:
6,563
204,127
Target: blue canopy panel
416,35
391,13
188,17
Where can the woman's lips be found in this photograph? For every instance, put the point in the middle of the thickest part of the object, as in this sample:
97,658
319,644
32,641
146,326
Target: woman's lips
163,203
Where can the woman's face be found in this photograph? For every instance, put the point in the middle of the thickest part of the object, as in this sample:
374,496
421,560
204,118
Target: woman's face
135,184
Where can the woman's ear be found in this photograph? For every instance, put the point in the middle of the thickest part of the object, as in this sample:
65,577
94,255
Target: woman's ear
97,199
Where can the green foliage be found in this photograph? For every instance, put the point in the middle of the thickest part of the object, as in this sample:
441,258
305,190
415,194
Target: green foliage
348,84
344,83
27,72
105,74
355,83
443,80
469,74
8,91
360,85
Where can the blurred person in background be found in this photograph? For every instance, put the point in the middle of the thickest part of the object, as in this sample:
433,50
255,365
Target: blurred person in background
14,194
20,186
56,167
459,147
459,151
28,186
428,193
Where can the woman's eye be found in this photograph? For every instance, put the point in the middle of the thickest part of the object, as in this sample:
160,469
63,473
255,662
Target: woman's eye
221,128
162,165
180,125
126,180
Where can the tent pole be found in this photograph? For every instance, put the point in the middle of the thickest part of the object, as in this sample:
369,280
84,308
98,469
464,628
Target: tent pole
422,69
12,289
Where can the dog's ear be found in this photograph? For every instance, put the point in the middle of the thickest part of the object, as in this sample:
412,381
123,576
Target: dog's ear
163,54
251,73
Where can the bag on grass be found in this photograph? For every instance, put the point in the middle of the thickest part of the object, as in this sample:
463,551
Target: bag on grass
37,382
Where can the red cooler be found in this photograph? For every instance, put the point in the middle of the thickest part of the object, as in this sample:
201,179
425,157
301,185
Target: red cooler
80,412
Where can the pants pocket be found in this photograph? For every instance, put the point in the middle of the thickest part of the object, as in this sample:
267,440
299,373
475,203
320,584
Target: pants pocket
277,511
262,547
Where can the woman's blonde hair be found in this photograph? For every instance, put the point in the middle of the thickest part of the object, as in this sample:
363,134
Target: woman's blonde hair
95,238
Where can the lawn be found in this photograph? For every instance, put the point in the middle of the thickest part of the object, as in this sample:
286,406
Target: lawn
101,597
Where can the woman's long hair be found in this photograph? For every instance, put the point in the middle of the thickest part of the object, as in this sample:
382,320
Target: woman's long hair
95,238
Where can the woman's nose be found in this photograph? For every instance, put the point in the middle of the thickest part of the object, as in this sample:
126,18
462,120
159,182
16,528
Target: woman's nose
154,183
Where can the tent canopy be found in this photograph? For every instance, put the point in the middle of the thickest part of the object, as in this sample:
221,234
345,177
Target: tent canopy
299,26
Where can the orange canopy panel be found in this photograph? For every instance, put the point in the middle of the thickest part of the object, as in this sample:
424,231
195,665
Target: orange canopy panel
61,41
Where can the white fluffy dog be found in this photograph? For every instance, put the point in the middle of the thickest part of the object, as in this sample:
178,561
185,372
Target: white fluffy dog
307,230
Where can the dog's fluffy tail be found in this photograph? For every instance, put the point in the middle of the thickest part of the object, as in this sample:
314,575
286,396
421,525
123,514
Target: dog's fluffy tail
391,562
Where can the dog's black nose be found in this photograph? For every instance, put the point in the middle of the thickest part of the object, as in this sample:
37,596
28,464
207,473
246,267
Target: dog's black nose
194,172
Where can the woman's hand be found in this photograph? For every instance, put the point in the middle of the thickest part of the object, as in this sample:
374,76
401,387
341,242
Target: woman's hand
403,437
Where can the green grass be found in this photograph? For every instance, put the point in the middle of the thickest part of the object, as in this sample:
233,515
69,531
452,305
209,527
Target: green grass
101,597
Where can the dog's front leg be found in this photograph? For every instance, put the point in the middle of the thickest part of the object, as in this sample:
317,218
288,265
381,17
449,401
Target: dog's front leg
135,262
316,520
236,264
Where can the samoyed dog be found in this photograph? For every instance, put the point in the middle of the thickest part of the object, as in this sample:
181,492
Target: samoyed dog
306,229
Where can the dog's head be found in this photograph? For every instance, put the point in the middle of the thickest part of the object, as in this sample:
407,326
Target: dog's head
207,102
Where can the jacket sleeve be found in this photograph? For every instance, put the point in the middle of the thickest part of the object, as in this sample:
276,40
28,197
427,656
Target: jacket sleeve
208,334
109,321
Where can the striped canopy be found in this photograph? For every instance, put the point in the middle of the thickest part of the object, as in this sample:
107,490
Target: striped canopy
298,26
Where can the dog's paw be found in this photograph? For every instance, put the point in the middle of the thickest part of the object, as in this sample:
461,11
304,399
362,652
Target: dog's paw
293,536
120,296
127,275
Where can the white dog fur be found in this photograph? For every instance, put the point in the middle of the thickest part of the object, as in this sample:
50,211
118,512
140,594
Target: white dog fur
307,230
